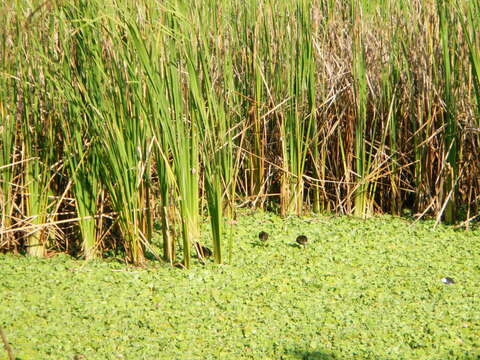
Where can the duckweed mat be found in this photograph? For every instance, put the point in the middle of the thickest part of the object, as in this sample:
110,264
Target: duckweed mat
359,289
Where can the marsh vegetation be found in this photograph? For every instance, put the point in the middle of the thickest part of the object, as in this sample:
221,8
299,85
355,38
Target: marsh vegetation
361,289
120,118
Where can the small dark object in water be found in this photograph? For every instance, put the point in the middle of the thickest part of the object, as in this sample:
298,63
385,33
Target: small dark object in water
263,236
448,280
206,252
202,251
302,240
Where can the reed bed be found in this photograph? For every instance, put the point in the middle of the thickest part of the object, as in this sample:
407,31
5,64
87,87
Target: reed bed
119,116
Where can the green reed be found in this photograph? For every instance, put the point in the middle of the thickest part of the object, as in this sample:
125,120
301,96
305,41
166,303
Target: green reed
121,114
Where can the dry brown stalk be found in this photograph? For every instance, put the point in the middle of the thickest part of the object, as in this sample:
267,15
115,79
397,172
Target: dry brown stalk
6,344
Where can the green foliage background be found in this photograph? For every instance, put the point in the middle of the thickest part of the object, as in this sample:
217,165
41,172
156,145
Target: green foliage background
360,290
117,114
